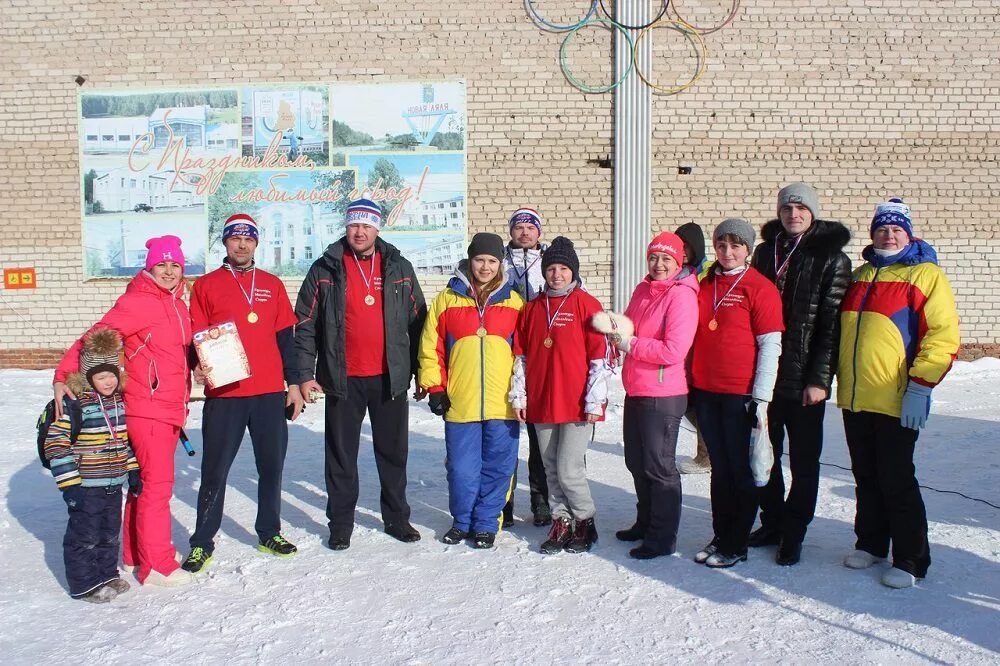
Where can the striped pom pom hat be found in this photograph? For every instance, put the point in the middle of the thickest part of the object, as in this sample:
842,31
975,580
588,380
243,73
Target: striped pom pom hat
100,354
364,211
240,224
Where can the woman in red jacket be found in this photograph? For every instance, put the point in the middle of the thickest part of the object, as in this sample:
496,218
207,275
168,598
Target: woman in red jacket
156,331
560,385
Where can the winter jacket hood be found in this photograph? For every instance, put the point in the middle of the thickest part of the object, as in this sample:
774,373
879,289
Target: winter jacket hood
665,316
917,252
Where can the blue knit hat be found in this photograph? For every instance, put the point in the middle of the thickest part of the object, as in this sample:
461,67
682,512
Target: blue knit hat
364,211
894,211
525,215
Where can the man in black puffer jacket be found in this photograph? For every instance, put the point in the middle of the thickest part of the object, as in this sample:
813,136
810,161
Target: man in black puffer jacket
804,257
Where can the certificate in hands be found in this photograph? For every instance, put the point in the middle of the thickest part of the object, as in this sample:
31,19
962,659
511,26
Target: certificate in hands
221,354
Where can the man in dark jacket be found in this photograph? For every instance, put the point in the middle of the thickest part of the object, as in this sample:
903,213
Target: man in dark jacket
804,257
360,313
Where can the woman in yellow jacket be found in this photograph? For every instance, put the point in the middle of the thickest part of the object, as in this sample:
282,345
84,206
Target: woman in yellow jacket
899,337
466,361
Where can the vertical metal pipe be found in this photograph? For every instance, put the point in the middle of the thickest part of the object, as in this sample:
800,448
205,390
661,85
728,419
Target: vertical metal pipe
633,160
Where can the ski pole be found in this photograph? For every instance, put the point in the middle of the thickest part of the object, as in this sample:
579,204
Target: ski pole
186,444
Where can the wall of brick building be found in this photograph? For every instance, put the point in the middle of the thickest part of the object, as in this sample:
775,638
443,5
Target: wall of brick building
865,99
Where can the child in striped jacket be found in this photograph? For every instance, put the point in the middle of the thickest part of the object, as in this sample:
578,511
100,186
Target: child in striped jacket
91,470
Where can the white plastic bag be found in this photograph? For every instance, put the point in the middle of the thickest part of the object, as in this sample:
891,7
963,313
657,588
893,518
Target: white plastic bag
761,454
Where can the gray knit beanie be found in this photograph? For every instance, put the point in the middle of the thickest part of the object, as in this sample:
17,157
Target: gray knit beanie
799,193
738,227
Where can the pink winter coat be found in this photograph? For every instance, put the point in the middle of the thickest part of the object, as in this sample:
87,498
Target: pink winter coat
665,314
156,331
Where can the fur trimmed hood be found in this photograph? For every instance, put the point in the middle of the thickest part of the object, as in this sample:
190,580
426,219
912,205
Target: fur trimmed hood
824,236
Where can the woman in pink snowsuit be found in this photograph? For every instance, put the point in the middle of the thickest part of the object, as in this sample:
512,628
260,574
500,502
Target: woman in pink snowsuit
155,327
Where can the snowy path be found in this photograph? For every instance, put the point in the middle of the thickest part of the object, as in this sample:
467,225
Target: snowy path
386,602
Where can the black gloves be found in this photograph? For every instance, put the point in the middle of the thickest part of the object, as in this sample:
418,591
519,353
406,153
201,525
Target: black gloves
73,496
134,483
439,402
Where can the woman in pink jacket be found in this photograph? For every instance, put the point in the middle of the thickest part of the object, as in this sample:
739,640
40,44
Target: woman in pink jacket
156,330
656,333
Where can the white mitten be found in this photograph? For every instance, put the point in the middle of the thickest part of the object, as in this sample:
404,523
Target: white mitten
619,328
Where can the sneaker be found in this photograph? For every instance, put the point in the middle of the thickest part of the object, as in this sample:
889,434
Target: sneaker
278,545
898,579
789,553
861,559
197,561
694,466
541,514
119,586
634,533
584,536
101,595
719,560
454,536
175,578
764,536
711,549
404,532
559,535
483,539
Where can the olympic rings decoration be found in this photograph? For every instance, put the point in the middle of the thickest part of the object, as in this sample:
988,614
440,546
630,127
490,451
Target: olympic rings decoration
581,85
708,31
692,35
557,27
663,10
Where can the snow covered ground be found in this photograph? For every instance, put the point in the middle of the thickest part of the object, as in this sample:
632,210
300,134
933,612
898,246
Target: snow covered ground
387,602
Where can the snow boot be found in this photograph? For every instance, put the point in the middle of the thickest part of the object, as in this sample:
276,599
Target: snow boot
197,561
559,535
584,536
898,579
483,540
711,549
101,595
119,586
278,545
695,465
454,536
541,514
175,578
645,552
861,559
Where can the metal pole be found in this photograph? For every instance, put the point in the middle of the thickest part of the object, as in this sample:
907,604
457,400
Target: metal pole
633,160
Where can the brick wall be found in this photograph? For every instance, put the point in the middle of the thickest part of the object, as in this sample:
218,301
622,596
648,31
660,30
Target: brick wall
863,99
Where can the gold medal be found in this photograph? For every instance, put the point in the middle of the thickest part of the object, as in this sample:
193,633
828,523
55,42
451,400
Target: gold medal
548,342
481,331
369,300
713,324
252,317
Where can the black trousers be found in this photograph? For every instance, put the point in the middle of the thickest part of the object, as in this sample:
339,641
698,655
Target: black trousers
792,515
389,418
537,483
224,422
726,425
650,433
890,508
93,540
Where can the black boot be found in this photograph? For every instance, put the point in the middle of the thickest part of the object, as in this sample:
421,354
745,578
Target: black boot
483,540
454,535
789,552
559,535
541,514
634,533
404,532
764,536
584,536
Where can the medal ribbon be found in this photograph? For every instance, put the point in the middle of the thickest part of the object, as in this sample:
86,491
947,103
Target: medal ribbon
370,278
551,319
716,303
253,285
779,271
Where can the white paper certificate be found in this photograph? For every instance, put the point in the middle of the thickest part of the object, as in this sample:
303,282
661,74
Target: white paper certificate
221,354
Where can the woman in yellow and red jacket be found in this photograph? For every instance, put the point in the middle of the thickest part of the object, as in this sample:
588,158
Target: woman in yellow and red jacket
466,362
899,337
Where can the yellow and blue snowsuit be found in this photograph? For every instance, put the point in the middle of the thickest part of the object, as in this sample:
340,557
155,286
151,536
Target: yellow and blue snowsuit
481,433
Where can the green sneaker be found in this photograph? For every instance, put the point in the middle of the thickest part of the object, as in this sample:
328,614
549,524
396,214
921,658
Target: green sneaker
278,545
197,561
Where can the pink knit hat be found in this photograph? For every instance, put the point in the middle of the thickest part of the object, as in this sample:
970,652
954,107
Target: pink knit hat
667,243
164,248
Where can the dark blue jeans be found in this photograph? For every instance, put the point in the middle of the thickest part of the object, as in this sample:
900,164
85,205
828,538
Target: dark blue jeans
724,422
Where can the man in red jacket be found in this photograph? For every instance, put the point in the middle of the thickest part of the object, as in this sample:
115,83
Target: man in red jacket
256,301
